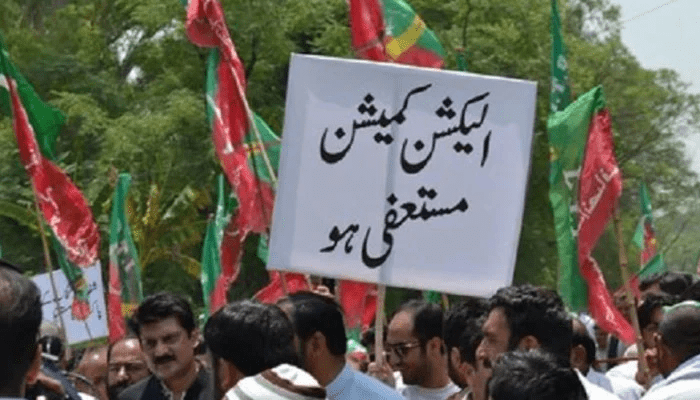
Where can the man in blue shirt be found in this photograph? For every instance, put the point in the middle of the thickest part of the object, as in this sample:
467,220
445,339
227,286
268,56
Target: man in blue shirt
318,322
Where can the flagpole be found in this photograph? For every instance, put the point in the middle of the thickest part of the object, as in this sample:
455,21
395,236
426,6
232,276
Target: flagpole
48,265
379,326
630,296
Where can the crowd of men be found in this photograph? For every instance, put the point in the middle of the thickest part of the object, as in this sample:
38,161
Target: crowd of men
520,344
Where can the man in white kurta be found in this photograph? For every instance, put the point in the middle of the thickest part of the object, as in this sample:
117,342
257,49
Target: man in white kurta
678,354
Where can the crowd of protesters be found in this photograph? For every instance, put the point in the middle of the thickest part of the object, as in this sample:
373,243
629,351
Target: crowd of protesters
519,344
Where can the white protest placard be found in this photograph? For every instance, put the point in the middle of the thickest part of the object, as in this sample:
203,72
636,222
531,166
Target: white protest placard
95,326
403,176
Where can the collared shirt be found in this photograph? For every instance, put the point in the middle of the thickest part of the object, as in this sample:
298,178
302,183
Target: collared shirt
351,384
152,388
415,392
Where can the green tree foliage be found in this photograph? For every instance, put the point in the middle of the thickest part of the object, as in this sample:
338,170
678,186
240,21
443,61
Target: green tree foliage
132,88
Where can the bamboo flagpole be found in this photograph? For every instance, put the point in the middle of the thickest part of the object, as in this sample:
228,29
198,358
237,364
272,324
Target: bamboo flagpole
624,271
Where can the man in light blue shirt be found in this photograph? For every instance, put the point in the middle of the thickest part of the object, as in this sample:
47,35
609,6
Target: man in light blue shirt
318,322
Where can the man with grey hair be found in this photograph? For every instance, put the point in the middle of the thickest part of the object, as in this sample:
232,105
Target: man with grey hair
677,353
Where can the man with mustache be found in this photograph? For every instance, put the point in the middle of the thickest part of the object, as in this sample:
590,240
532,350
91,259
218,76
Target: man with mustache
166,329
126,366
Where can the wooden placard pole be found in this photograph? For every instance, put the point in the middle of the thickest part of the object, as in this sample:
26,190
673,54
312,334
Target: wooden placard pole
49,265
624,271
379,326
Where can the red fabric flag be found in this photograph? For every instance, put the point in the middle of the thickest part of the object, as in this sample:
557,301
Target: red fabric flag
63,205
359,302
600,186
367,31
275,290
231,122
390,30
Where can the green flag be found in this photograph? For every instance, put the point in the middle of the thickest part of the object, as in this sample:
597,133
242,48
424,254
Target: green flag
125,290
566,152
654,266
45,119
211,252
560,95
645,236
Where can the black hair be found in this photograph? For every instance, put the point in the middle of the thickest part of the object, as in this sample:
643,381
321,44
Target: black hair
692,292
469,341
539,312
650,280
160,306
427,319
20,317
534,375
585,340
458,318
252,336
680,331
313,312
651,303
675,283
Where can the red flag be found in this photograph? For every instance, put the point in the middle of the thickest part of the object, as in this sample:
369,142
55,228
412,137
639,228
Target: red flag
359,302
63,205
275,290
600,186
231,122
390,30
367,31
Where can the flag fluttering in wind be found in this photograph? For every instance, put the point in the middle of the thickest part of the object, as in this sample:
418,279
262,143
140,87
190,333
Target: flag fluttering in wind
560,93
125,287
36,126
645,236
359,302
389,30
242,153
585,124
566,153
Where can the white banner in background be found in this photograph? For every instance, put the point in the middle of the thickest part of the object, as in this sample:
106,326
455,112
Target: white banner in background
95,326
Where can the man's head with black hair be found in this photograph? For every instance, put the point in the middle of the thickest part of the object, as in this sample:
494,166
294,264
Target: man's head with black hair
692,292
534,375
160,306
650,314
679,336
20,316
675,283
166,328
582,347
414,343
462,327
525,317
246,338
651,282
318,323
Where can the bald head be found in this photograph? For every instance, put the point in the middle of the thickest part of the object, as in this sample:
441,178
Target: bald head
93,366
680,330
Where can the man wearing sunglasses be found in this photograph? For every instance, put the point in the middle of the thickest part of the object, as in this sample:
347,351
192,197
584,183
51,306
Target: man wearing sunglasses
415,347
